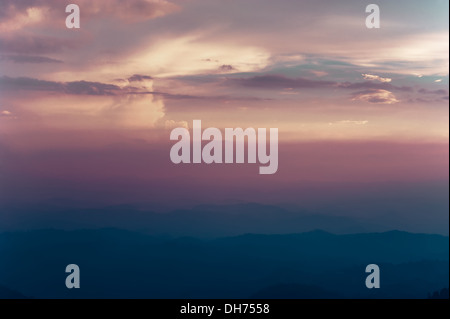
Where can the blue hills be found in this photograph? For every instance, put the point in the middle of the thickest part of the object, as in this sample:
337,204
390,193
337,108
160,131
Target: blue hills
117,263
205,221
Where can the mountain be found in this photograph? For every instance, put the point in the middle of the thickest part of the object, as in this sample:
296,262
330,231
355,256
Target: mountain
123,264
6,293
294,291
442,294
206,221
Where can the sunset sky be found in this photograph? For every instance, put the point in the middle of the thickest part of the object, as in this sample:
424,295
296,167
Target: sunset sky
86,114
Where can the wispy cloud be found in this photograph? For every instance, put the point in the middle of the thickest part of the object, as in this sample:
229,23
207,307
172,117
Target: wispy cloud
17,15
376,78
28,59
5,113
440,91
280,82
139,78
36,44
75,87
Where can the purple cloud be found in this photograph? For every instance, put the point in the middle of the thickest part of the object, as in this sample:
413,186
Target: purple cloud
36,44
280,82
440,92
139,78
76,87
28,59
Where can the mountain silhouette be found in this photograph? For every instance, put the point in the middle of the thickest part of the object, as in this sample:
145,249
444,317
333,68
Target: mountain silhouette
6,293
118,263
442,294
206,221
294,291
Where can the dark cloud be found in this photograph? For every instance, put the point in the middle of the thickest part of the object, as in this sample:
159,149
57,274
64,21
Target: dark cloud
96,88
428,100
28,59
139,78
369,91
201,97
23,83
283,82
76,87
440,92
226,68
90,88
280,82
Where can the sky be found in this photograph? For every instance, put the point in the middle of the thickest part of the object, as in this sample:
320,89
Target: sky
86,114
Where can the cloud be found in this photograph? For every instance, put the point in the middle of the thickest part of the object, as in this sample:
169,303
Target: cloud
93,112
18,15
75,87
89,88
427,100
186,55
131,11
123,87
376,78
376,96
318,73
371,85
280,82
289,58
28,59
24,44
7,115
171,124
23,83
135,111
226,68
440,92
86,104
283,82
139,78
